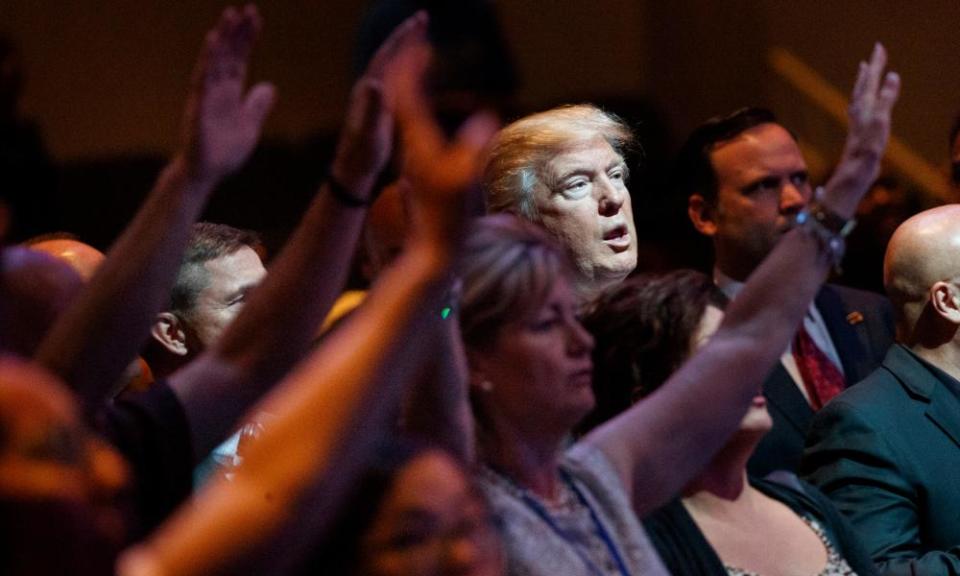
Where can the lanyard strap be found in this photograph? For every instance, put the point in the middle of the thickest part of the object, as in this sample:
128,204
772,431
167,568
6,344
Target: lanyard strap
538,508
601,529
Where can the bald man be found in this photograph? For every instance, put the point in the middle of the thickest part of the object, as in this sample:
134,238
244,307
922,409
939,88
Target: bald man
35,289
887,451
83,258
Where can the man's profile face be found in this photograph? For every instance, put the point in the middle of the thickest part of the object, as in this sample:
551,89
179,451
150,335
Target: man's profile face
584,202
762,182
229,279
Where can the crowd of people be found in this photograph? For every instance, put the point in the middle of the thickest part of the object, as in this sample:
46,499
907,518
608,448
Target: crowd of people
507,396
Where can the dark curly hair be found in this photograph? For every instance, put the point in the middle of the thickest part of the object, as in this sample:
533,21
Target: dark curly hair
643,329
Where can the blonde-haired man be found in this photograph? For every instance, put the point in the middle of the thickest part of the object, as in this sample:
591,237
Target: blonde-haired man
565,169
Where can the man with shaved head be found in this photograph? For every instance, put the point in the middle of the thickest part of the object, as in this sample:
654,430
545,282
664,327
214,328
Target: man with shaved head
35,288
887,451
82,257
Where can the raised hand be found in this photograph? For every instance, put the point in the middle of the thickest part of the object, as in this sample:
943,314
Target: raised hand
441,173
871,103
222,121
367,138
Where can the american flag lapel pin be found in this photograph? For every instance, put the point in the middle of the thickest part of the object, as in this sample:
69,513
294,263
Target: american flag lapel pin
854,318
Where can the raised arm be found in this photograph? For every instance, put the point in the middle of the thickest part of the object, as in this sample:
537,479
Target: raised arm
331,409
662,442
438,406
93,342
278,324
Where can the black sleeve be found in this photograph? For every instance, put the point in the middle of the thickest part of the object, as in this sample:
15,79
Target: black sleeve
151,431
680,544
804,498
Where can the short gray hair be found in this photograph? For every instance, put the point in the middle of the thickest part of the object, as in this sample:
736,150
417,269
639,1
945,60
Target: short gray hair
208,241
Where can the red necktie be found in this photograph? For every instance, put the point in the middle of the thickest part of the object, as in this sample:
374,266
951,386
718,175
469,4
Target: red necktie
821,377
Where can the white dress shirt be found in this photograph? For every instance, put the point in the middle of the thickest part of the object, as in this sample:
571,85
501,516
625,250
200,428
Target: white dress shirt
812,321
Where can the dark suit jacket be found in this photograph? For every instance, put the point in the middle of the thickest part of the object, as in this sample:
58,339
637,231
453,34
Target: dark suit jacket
887,452
861,341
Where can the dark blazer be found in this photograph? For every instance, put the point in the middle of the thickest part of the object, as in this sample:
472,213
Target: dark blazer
861,327
887,452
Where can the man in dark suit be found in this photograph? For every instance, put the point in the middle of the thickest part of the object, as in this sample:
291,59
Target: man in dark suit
888,450
745,180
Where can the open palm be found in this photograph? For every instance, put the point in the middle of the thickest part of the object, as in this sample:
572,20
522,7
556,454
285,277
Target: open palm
223,123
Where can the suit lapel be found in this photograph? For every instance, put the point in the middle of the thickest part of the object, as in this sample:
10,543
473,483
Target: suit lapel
782,392
842,333
943,407
944,410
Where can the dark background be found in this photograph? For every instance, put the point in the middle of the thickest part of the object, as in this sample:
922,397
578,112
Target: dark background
105,83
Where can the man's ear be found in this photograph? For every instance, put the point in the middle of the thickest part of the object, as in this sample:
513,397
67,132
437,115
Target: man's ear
169,330
701,213
945,300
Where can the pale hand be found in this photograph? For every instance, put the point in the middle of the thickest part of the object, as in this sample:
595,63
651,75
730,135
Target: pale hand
441,173
871,103
366,142
222,122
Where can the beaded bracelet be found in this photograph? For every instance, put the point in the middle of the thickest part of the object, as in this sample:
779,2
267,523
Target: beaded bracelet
828,227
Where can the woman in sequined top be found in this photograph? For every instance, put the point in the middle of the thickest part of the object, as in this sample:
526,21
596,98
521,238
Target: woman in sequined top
725,523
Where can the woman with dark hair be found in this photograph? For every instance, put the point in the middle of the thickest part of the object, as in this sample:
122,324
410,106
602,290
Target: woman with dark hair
630,354
725,523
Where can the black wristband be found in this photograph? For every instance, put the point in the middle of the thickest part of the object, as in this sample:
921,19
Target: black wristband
827,218
343,195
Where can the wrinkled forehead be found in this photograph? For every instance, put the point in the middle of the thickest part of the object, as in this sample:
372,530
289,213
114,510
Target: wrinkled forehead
581,155
592,149
239,269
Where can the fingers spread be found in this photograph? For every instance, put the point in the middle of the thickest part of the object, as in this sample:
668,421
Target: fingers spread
890,91
878,61
860,86
421,135
244,32
199,75
874,92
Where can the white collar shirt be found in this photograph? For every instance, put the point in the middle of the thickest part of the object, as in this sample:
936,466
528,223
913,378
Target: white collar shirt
812,321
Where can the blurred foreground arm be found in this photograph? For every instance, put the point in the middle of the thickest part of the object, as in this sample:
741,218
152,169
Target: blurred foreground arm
333,408
94,341
276,327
